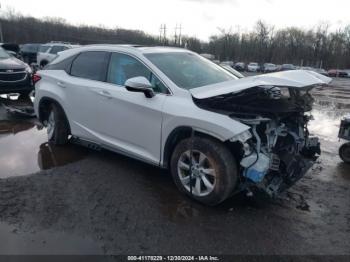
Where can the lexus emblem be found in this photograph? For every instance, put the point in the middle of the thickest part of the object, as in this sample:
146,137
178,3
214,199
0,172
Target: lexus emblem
9,70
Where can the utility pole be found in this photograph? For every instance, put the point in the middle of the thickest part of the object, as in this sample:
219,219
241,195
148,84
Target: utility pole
175,35
164,35
162,32
180,41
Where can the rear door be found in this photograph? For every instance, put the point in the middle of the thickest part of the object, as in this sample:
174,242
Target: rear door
87,75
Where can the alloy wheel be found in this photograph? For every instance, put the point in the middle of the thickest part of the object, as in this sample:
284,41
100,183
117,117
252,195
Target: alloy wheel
51,125
196,173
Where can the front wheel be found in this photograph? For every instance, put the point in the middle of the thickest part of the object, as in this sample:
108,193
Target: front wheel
57,126
344,152
204,169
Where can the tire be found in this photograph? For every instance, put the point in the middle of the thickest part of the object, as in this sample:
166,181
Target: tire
344,153
43,64
219,169
57,125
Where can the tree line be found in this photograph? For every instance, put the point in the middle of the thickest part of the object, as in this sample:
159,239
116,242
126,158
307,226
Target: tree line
317,47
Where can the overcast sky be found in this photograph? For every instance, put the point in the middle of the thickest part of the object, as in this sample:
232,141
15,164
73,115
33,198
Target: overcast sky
200,18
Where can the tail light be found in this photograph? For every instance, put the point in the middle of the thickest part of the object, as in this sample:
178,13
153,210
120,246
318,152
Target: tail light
35,78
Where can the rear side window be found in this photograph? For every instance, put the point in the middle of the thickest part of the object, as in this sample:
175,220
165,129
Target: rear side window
63,65
91,65
30,48
55,49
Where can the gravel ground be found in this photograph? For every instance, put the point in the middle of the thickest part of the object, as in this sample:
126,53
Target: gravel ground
72,200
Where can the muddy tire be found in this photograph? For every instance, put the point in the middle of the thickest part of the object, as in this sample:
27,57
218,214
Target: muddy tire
344,153
57,125
211,177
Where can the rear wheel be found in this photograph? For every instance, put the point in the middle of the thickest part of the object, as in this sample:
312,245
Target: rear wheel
344,152
57,125
204,169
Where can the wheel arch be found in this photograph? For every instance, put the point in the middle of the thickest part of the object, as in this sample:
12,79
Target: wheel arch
184,132
44,103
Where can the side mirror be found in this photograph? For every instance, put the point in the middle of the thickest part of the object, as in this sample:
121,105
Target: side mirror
140,84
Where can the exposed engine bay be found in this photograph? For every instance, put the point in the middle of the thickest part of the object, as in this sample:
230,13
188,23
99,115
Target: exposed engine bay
280,150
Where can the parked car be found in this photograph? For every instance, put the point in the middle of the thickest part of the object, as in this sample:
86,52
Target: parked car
269,68
240,66
29,53
253,67
12,49
229,63
307,68
174,109
231,70
320,71
344,133
337,73
15,75
347,71
48,52
286,67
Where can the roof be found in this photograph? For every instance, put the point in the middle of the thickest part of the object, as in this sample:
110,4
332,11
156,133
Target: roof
135,49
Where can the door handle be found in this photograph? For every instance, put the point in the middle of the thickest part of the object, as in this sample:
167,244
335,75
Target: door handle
61,84
105,94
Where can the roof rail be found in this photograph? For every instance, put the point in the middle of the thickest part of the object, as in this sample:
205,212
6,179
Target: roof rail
62,42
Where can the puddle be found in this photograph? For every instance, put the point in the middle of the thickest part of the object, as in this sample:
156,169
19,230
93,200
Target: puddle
327,117
24,149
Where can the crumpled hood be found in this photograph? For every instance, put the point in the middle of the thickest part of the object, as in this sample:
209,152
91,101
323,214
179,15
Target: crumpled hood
301,79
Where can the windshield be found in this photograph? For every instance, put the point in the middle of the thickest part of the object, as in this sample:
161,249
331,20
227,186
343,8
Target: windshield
30,48
188,70
43,48
3,54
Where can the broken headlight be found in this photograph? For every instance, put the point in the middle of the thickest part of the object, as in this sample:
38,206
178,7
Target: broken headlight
242,137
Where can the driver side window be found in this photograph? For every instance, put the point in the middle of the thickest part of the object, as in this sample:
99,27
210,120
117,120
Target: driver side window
122,67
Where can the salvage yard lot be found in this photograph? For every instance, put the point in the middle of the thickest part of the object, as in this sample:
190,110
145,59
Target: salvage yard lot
72,200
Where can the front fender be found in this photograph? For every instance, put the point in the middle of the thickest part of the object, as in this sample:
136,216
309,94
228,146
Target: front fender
181,112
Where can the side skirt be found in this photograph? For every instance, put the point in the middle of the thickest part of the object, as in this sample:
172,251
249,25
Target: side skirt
99,147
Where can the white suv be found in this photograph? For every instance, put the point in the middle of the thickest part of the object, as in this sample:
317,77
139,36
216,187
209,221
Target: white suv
172,108
253,67
48,52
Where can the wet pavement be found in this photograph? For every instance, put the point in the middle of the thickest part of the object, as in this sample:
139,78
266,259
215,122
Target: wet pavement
72,200
24,147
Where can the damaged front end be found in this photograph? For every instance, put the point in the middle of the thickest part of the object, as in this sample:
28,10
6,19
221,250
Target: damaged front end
281,149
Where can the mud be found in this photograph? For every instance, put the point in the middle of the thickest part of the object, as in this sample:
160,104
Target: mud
101,202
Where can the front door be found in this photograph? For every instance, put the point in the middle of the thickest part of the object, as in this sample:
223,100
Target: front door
127,120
